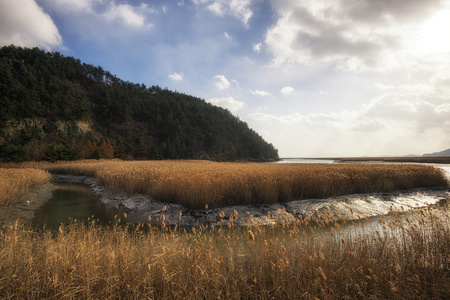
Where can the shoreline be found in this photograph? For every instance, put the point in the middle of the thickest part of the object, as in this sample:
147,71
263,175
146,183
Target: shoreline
139,208
23,210
143,209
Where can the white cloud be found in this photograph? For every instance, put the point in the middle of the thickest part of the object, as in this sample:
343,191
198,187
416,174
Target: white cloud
287,90
227,102
125,13
176,76
240,9
440,83
235,8
392,124
217,8
437,87
104,12
409,109
24,23
222,82
257,47
354,35
259,93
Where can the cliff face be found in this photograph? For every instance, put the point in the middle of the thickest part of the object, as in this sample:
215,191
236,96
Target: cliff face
45,127
57,108
39,138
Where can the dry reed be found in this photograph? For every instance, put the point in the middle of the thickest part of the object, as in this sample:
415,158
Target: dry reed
196,184
14,183
404,257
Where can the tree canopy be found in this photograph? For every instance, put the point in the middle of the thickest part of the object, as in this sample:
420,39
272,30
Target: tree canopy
45,96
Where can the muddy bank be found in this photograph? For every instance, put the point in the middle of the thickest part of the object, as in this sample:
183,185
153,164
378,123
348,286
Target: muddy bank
144,209
24,209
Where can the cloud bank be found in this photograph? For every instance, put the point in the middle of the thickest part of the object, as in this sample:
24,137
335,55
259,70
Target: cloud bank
355,35
24,23
386,125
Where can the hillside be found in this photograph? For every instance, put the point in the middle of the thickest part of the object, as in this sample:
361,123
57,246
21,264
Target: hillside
57,108
441,153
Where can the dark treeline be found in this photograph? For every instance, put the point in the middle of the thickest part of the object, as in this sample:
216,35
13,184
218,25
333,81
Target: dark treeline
57,108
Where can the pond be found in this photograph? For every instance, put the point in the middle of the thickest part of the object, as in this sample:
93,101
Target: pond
72,201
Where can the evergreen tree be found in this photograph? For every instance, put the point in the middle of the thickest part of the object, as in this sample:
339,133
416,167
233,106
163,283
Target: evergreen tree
50,94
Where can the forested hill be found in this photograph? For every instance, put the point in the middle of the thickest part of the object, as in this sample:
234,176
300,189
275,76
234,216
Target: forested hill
54,107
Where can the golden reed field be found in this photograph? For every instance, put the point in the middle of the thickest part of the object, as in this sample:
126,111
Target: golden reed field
404,257
196,184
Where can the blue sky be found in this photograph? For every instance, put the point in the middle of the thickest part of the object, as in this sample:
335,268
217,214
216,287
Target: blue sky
314,78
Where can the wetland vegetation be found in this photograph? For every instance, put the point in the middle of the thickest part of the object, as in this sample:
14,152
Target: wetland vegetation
195,184
402,259
307,258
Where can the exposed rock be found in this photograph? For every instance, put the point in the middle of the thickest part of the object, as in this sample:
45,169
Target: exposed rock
46,126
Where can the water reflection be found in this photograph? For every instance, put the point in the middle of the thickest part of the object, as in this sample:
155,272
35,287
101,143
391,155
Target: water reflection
72,201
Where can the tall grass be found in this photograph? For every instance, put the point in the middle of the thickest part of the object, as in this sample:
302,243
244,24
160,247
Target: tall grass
406,256
401,259
14,183
195,184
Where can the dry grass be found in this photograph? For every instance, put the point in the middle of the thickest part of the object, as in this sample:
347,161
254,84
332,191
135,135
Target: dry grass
14,183
406,256
308,259
197,183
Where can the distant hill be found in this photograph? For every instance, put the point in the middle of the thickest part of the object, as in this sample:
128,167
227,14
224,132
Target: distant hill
442,153
57,108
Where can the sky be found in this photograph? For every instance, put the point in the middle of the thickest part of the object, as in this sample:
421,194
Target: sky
316,78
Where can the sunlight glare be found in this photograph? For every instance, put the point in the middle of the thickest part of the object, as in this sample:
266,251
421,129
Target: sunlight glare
433,37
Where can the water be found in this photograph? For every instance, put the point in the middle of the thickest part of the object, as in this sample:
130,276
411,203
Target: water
72,201
305,161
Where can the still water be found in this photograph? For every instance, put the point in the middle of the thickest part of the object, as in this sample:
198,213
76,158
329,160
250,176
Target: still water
72,201
305,161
